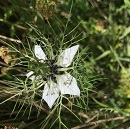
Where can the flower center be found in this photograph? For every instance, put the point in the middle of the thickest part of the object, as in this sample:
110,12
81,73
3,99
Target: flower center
47,69
53,69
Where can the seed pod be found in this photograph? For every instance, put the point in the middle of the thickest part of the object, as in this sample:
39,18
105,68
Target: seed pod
46,8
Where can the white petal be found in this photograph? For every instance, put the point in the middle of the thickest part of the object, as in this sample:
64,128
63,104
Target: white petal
68,84
39,53
66,57
50,93
29,75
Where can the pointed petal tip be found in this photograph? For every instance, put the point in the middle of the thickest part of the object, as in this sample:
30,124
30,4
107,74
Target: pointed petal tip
68,84
36,45
66,56
29,74
78,94
50,93
50,105
39,53
77,46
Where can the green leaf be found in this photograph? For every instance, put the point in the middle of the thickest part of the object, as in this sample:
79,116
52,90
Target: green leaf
126,32
99,103
103,55
127,3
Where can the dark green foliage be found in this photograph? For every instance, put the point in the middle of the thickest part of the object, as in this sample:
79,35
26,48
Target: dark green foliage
103,26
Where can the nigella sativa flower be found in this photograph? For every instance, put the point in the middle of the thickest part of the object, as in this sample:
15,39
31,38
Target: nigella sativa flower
56,83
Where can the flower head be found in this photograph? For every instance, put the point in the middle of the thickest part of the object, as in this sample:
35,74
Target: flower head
56,82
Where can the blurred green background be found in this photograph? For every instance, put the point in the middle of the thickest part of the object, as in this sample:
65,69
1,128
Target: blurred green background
103,26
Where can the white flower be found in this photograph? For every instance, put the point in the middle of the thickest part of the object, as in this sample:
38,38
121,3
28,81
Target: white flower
65,83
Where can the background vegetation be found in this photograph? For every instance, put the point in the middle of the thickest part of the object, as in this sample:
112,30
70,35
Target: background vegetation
103,26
